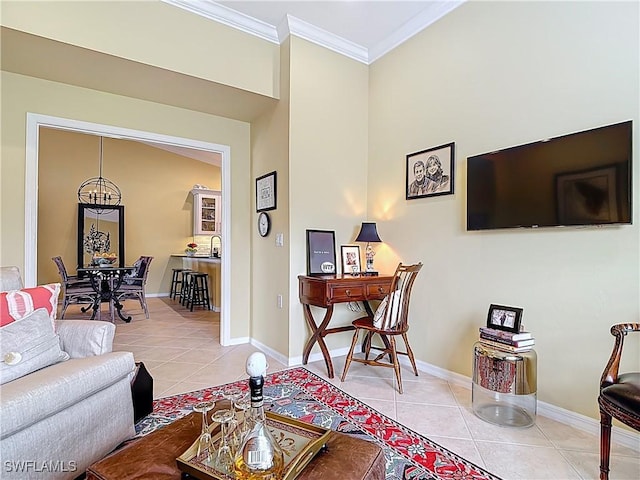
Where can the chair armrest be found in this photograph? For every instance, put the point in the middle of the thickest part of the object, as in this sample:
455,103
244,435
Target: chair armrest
619,330
85,338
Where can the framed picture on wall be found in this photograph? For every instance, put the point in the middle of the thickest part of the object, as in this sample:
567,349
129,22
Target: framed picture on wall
505,318
266,192
321,252
350,259
430,172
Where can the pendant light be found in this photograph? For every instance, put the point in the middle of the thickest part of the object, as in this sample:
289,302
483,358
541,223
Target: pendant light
99,191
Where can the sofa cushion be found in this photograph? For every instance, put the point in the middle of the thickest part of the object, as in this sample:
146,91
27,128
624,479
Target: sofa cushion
380,319
10,279
28,345
46,392
15,304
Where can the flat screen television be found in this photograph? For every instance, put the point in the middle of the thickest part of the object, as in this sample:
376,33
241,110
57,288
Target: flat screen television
582,178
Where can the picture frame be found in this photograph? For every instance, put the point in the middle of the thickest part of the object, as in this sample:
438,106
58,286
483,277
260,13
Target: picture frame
266,192
429,173
588,196
350,255
502,317
321,252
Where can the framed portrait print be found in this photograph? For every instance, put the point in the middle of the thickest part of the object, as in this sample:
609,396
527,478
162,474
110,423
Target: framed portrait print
350,259
430,172
505,318
266,191
321,252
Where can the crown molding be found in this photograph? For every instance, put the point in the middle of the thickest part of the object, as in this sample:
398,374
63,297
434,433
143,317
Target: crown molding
226,16
294,26
429,16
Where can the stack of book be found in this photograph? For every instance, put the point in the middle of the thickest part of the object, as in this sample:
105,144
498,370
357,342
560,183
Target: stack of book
508,341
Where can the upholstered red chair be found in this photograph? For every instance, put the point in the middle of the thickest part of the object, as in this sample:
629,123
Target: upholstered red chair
619,395
390,320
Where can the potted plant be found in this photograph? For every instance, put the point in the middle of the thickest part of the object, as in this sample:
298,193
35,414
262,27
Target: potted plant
191,250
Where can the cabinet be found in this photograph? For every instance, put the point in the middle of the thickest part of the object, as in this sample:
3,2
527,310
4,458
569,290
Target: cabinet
207,212
504,389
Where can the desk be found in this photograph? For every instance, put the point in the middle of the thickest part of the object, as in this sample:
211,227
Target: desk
106,281
327,290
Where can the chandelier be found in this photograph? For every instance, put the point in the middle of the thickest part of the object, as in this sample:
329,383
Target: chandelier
99,191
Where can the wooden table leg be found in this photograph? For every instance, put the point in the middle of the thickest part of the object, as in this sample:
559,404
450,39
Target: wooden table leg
318,336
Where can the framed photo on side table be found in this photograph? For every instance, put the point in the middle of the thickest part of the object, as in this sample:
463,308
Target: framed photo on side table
430,172
350,259
321,252
266,192
505,318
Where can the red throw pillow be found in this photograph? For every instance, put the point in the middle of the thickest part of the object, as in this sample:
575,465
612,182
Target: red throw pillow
16,304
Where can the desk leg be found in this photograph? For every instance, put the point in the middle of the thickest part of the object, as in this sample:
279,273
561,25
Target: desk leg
318,334
369,336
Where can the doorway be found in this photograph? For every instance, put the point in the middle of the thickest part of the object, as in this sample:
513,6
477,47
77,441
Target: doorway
36,121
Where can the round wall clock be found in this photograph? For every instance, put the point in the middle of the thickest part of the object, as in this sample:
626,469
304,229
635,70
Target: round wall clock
264,224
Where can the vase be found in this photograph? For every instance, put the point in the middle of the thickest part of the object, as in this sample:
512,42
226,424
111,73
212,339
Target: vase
190,253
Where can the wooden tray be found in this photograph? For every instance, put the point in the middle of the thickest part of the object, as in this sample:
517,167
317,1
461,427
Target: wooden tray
300,442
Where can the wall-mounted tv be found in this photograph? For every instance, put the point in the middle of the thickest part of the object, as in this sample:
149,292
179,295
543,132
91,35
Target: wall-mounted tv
582,178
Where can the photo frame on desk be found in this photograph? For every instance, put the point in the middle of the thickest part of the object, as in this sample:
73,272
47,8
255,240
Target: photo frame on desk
321,252
266,192
350,255
504,318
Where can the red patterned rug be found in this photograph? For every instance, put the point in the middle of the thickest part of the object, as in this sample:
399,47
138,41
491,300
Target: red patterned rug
301,394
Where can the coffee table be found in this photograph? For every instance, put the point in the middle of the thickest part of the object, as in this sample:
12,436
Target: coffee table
153,457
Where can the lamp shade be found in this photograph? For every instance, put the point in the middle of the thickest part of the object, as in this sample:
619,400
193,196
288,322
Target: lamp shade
368,233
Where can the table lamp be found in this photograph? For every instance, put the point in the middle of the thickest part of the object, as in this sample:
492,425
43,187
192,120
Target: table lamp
369,233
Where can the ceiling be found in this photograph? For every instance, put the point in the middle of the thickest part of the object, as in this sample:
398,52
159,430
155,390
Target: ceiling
361,29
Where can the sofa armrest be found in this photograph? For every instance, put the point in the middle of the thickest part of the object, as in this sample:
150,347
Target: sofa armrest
85,338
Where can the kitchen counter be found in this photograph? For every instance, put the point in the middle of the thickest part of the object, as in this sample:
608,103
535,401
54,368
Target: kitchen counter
200,258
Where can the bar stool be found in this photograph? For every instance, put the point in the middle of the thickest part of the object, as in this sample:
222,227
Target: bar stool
185,291
177,280
198,290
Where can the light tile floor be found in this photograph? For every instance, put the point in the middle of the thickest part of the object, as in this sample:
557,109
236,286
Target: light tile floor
181,349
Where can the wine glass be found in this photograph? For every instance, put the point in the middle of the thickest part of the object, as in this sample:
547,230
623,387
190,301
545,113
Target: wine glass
244,404
224,455
204,441
233,394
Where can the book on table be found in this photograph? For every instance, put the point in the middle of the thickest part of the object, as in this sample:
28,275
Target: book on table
506,335
504,347
514,343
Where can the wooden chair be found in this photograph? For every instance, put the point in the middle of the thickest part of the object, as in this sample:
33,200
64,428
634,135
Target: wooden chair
619,395
133,286
390,320
75,291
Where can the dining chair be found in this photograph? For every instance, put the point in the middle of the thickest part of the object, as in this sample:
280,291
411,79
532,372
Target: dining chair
134,284
619,395
390,320
75,291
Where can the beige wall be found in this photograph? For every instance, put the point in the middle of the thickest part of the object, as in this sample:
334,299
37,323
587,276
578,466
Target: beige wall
486,77
153,33
21,94
155,186
270,274
327,165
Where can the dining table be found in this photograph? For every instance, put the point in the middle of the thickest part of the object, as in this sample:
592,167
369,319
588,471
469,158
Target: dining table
105,281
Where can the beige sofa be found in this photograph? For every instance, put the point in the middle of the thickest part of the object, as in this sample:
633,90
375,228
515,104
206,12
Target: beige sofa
57,420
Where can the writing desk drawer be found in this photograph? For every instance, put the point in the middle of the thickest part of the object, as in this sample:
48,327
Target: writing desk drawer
376,291
347,293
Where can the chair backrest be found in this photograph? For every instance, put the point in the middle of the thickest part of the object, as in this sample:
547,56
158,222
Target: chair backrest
61,269
396,314
141,271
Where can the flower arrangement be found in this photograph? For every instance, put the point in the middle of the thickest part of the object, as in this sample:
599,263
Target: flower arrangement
191,248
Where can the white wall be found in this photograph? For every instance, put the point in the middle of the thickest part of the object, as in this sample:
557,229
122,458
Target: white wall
491,75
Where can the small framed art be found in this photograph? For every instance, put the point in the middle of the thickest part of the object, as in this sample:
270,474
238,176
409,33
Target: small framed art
321,252
350,259
430,172
505,318
266,192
